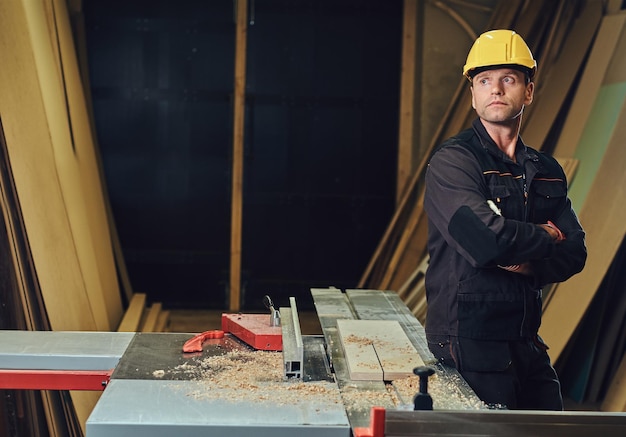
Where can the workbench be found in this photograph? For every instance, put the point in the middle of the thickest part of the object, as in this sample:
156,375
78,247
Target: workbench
151,388
156,390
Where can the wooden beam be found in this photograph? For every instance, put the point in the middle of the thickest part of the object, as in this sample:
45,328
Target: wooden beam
238,141
604,220
601,54
132,316
152,317
552,89
407,124
163,321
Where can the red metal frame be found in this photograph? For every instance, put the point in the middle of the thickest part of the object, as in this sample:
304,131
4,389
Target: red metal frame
377,424
90,380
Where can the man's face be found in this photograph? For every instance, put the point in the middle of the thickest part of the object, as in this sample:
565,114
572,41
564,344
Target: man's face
499,95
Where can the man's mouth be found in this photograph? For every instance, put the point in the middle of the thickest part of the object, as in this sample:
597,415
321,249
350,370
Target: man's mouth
497,103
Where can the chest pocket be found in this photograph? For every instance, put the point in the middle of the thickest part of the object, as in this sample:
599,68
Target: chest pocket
507,197
547,196
499,194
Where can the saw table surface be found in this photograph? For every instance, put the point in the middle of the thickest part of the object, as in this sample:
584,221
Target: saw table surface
227,389
188,408
148,353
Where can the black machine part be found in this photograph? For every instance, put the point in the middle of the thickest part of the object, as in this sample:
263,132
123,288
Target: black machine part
423,400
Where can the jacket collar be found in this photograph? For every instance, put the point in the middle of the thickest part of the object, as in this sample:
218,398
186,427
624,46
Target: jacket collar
522,152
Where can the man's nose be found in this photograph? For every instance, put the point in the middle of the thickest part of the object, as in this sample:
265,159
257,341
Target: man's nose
496,89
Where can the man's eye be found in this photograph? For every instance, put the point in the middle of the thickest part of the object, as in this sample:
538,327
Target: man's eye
508,80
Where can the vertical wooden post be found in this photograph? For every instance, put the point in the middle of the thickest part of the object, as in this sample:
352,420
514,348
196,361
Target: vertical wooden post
406,134
237,170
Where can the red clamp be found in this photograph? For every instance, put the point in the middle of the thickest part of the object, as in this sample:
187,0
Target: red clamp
194,344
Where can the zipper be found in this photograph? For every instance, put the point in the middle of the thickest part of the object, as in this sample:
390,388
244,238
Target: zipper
525,189
525,194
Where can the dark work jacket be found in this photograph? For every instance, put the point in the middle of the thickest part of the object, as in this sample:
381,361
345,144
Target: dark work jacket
468,295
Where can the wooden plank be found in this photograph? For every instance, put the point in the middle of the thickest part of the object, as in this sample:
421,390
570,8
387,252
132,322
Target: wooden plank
414,251
85,203
602,52
414,218
604,220
552,90
361,358
238,138
406,134
569,165
36,175
420,271
152,315
78,25
132,317
163,321
615,399
377,350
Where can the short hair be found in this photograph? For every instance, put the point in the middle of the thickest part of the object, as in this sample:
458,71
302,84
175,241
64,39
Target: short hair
525,70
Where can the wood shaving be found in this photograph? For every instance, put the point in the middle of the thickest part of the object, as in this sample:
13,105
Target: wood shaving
253,376
361,341
444,392
359,400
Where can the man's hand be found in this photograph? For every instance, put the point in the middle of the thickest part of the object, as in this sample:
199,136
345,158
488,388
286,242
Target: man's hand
522,269
554,232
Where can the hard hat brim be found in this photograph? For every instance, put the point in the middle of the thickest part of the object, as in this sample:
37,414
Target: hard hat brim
529,72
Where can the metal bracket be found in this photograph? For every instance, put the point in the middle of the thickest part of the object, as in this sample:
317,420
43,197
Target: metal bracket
293,349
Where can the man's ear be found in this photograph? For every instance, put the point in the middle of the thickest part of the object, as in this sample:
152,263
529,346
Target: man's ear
472,91
530,93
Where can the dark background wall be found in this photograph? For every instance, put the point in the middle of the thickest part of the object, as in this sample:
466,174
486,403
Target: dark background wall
320,141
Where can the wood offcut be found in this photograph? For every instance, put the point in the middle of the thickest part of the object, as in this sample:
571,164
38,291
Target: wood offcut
377,350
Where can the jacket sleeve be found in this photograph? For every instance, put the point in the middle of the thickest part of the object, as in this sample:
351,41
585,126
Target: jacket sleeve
568,257
456,204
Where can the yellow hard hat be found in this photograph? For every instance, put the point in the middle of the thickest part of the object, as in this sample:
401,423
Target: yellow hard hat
499,47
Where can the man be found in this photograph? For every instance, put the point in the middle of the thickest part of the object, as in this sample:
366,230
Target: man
500,227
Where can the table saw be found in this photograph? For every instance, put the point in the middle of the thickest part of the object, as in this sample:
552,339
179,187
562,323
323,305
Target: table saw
151,388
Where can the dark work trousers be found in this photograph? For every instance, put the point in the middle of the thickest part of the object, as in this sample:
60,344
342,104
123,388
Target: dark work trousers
516,375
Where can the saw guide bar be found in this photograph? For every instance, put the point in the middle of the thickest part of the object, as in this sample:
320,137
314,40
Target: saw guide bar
293,348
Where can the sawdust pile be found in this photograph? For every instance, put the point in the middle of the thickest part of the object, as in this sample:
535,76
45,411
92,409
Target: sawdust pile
444,392
359,400
358,340
400,392
253,376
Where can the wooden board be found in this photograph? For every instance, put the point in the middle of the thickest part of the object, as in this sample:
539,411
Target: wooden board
601,54
407,125
151,318
552,88
604,220
377,350
132,317
89,215
237,172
